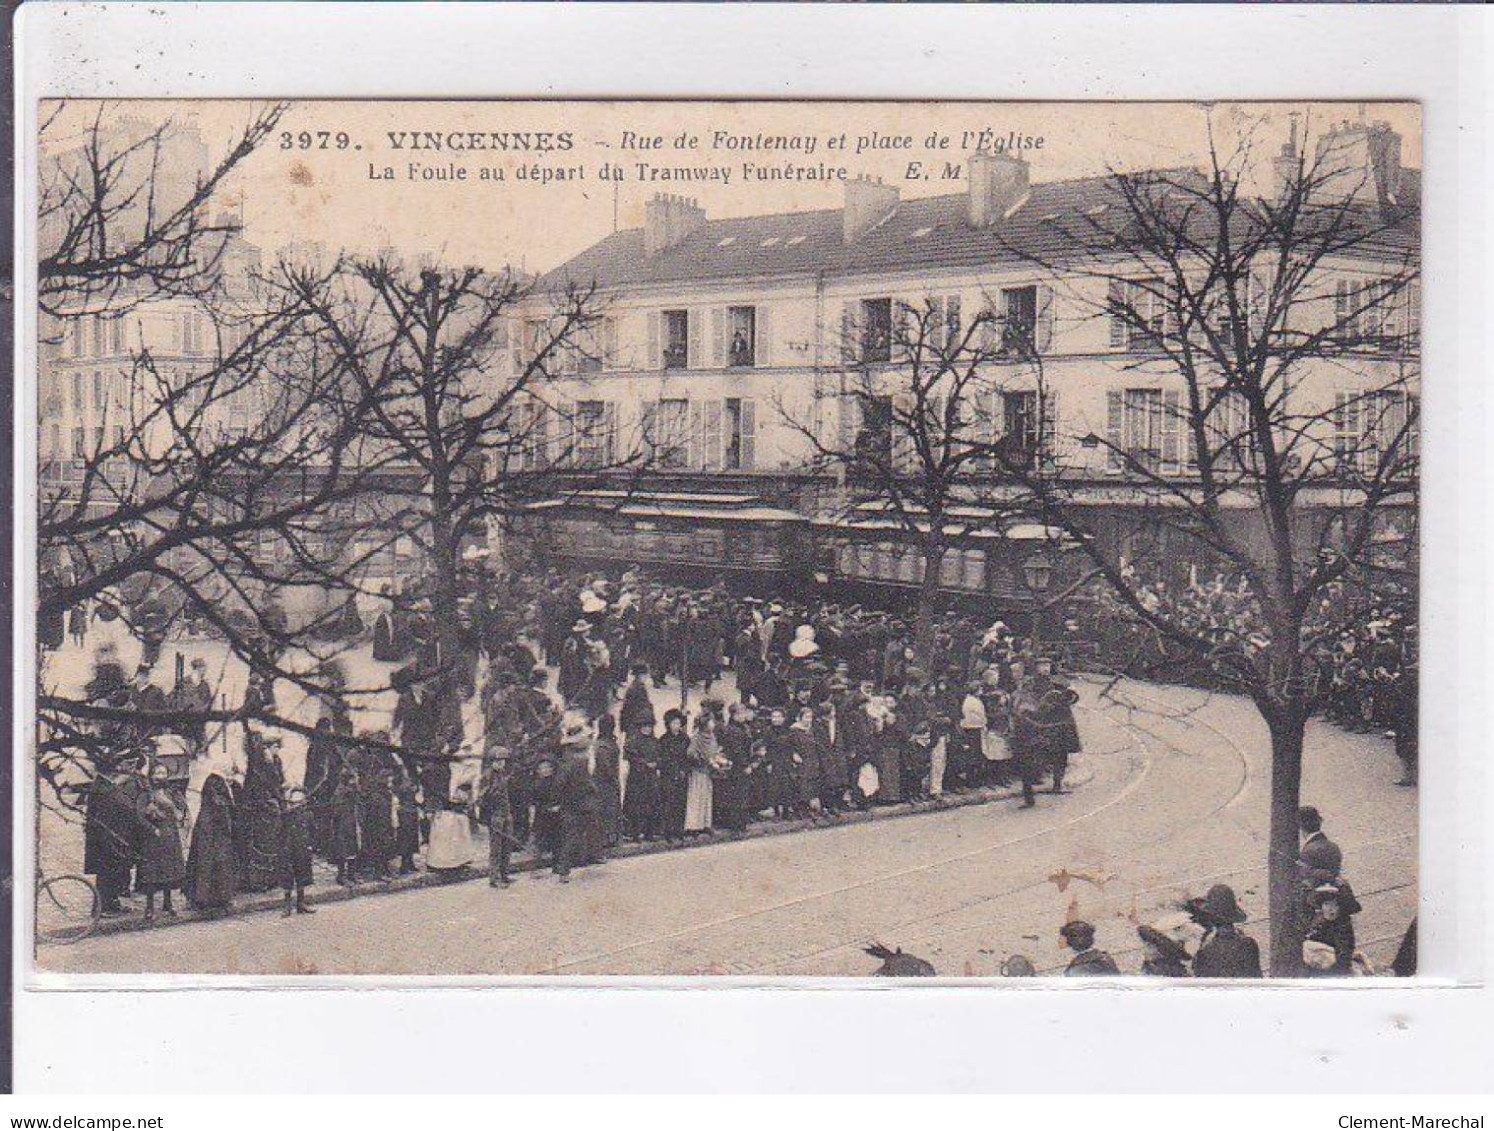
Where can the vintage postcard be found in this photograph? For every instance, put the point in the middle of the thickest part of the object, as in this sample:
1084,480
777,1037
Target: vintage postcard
760,539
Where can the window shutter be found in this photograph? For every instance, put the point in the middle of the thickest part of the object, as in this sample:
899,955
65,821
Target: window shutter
850,411
697,436
609,343
902,347
749,435
1341,309
609,433
1114,416
712,435
501,338
718,336
763,331
850,345
903,451
1171,432
1117,303
568,438
1043,339
649,425
694,320
655,359
541,435
952,321
986,428
1048,428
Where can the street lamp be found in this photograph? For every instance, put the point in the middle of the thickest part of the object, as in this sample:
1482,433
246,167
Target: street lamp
1037,572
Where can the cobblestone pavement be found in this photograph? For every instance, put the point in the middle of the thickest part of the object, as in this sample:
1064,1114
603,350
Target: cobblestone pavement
1177,800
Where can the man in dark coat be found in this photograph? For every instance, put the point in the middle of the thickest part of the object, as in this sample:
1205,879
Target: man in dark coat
497,814
113,829
1226,951
1088,962
1058,733
1319,860
295,853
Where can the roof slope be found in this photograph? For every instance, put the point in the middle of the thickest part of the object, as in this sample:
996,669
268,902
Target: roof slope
924,232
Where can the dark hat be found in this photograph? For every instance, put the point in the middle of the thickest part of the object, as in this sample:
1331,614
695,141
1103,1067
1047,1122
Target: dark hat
1169,946
1218,906
1018,966
673,713
1078,933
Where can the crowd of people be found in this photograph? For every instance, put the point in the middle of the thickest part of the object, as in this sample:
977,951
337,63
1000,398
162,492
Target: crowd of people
568,713
556,717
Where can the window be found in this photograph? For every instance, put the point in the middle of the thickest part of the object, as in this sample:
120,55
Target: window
1020,426
118,327
593,434
669,432
77,337
1145,430
739,425
874,439
98,336
676,339
876,329
601,349
531,437
98,392
1372,427
742,347
1019,320
1139,316
78,393
80,442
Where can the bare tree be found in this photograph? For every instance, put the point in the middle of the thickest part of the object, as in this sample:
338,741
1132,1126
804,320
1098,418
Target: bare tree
465,402
921,429
1272,433
220,465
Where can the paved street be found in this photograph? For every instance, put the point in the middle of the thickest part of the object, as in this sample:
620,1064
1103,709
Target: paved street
1176,802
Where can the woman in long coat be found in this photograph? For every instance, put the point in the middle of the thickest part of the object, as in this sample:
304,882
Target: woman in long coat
263,808
162,868
376,810
887,742
212,870
643,800
730,800
674,773
606,771
345,838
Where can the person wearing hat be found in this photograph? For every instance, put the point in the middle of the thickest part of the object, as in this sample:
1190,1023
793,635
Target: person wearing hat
1227,952
113,830
295,853
162,865
1162,955
578,828
1088,961
674,773
573,655
496,812
1333,905
1018,966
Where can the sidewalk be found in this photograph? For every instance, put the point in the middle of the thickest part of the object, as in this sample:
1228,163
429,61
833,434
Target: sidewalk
327,891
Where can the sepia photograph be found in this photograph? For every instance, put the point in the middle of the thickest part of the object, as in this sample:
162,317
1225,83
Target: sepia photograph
726,540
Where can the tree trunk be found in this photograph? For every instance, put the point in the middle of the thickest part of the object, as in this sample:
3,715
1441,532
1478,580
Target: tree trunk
1287,725
928,606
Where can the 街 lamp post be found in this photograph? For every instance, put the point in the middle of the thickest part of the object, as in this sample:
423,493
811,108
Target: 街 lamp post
1037,572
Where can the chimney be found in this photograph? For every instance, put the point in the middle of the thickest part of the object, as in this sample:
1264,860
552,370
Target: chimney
1285,163
669,220
1360,162
998,183
868,203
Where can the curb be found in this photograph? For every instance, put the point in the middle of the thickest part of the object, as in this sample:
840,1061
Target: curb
1080,773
